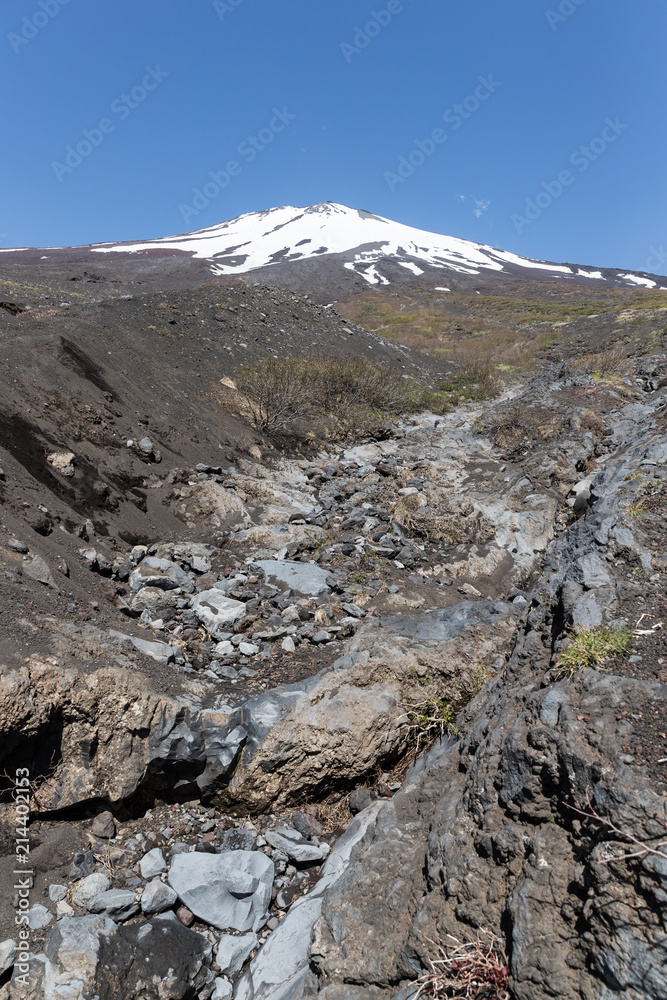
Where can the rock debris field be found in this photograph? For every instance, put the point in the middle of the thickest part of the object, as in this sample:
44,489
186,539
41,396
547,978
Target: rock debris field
281,755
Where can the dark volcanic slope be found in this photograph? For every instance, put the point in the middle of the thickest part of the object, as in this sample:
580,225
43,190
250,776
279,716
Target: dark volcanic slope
86,372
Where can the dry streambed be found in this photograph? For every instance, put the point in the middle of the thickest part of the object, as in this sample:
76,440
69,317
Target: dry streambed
397,578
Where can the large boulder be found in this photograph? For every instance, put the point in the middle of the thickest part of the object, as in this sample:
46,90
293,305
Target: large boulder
229,891
330,730
92,956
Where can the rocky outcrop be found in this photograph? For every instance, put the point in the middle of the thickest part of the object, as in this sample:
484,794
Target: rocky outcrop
329,731
535,826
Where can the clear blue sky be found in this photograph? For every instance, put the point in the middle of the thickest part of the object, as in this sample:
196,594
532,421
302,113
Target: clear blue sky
555,81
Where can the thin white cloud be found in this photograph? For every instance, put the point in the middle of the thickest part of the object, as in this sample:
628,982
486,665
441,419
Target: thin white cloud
481,206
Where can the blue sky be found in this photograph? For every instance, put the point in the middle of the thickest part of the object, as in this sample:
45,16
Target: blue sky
182,85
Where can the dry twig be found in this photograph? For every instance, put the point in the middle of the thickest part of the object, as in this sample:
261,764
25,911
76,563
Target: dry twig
644,847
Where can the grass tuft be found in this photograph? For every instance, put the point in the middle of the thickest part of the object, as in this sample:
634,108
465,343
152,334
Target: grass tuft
590,647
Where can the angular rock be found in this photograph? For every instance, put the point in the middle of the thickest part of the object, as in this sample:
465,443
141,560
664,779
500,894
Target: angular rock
16,545
233,951
160,573
237,840
157,897
152,863
36,568
39,917
152,598
119,904
7,953
308,579
216,611
296,848
230,890
89,887
158,651
103,825
280,969
92,956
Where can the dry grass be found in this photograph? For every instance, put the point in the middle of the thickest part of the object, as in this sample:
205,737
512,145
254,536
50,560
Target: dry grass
467,970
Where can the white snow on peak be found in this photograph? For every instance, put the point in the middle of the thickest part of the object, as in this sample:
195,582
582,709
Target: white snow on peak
281,235
260,239
635,279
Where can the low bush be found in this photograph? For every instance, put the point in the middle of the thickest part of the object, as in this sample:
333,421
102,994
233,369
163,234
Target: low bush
339,396
476,382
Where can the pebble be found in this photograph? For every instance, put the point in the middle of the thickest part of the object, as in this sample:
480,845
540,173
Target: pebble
57,892
185,915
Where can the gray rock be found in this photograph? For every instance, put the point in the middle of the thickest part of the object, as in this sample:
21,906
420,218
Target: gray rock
223,990
57,892
354,611
237,840
308,579
216,611
228,891
161,652
295,847
7,953
103,825
38,917
146,445
83,864
119,904
321,637
93,956
152,863
360,799
288,645
89,887
233,952
280,968
306,824
16,545
157,897
36,568
161,573
593,571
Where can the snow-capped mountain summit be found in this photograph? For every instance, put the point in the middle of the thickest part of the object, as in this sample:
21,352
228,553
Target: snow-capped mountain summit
334,249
